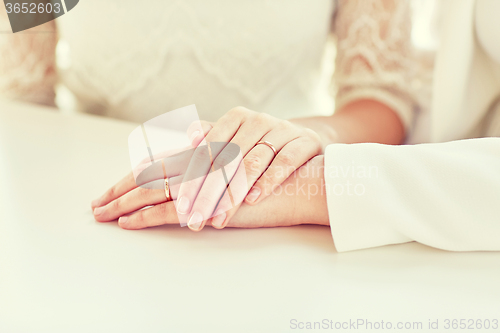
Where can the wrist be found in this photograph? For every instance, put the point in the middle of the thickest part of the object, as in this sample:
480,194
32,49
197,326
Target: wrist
310,201
323,126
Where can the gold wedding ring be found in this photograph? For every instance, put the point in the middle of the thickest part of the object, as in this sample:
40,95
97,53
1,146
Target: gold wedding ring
167,187
269,144
167,190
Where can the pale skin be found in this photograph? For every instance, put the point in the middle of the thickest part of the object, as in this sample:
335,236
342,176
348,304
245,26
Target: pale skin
282,208
299,143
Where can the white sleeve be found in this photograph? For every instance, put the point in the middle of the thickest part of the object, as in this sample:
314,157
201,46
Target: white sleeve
445,195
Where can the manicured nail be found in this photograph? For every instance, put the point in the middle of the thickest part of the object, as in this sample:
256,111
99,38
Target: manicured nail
195,221
183,205
253,195
95,203
219,218
98,211
194,135
123,220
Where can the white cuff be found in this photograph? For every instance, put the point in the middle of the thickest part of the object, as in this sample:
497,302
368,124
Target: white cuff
357,190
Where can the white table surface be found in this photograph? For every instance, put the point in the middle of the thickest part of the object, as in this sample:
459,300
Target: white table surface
60,271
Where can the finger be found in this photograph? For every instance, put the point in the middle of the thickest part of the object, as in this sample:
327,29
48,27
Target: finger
170,166
166,156
212,192
290,158
227,126
201,162
174,165
232,199
150,217
138,198
223,130
255,163
115,191
220,217
249,133
261,156
227,161
198,130
128,183
161,155
193,179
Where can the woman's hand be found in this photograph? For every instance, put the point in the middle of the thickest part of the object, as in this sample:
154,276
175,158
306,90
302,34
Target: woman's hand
266,168
299,200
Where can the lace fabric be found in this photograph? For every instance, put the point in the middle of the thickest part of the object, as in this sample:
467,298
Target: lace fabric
27,63
376,58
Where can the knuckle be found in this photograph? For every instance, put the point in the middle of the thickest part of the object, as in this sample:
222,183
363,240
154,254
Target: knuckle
193,127
261,119
253,164
238,110
115,205
285,125
201,154
312,135
222,160
111,192
286,158
160,212
139,220
144,193
196,125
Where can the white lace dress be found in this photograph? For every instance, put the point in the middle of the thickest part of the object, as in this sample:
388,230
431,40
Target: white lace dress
134,61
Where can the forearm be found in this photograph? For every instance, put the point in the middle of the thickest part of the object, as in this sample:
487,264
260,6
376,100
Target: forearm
360,121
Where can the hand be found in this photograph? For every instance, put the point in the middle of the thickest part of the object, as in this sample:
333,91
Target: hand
294,145
300,200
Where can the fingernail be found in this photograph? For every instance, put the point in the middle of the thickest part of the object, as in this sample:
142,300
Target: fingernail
95,203
123,220
195,221
253,195
219,218
183,205
98,211
194,135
